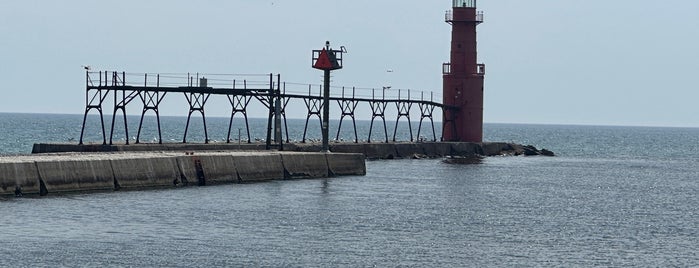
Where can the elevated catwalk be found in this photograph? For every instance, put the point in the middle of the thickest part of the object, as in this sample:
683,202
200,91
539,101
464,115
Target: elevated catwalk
240,90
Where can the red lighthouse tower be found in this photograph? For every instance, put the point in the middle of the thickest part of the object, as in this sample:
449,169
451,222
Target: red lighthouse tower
463,76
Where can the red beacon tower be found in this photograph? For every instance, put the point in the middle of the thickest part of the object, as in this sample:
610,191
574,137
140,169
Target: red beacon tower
463,76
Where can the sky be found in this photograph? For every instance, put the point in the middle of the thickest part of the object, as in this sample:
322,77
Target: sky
588,62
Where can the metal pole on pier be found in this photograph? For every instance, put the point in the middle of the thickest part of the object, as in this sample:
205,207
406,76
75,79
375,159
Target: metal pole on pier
327,60
326,110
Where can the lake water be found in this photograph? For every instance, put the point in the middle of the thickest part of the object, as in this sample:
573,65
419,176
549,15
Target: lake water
613,197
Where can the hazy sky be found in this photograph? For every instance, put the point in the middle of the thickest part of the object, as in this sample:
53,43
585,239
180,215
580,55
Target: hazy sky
607,62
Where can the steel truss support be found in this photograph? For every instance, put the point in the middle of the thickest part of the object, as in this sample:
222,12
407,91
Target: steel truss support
94,98
426,111
284,103
268,101
403,111
196,101
151,102
240,105
378,109
121,99
120,102
347,107
315,107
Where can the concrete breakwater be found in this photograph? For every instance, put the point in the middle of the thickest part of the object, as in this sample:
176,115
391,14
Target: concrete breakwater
429,150
68,172
369,150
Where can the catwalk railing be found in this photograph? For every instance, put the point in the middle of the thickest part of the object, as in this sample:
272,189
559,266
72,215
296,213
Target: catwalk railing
240,89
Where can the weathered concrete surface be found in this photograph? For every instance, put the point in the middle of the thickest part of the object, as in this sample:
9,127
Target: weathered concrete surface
302,166
354,148
145,171
134,170
408,150
379,151
259,167
438,149
346,164
187,170
218,168
496,148
466,149
69,175
22,174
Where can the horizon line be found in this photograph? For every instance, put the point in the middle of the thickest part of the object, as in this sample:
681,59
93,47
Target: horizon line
436,122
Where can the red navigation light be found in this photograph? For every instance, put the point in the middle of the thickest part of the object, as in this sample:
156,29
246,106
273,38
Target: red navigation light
327,60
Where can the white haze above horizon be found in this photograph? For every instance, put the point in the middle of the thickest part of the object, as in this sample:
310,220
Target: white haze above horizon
548,62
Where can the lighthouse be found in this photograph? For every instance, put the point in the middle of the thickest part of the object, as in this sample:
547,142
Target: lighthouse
463,76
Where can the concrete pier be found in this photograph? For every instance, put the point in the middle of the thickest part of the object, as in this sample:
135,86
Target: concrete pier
369,150
56,168
70,172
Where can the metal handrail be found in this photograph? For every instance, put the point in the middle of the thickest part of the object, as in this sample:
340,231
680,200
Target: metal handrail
464,3
449,16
